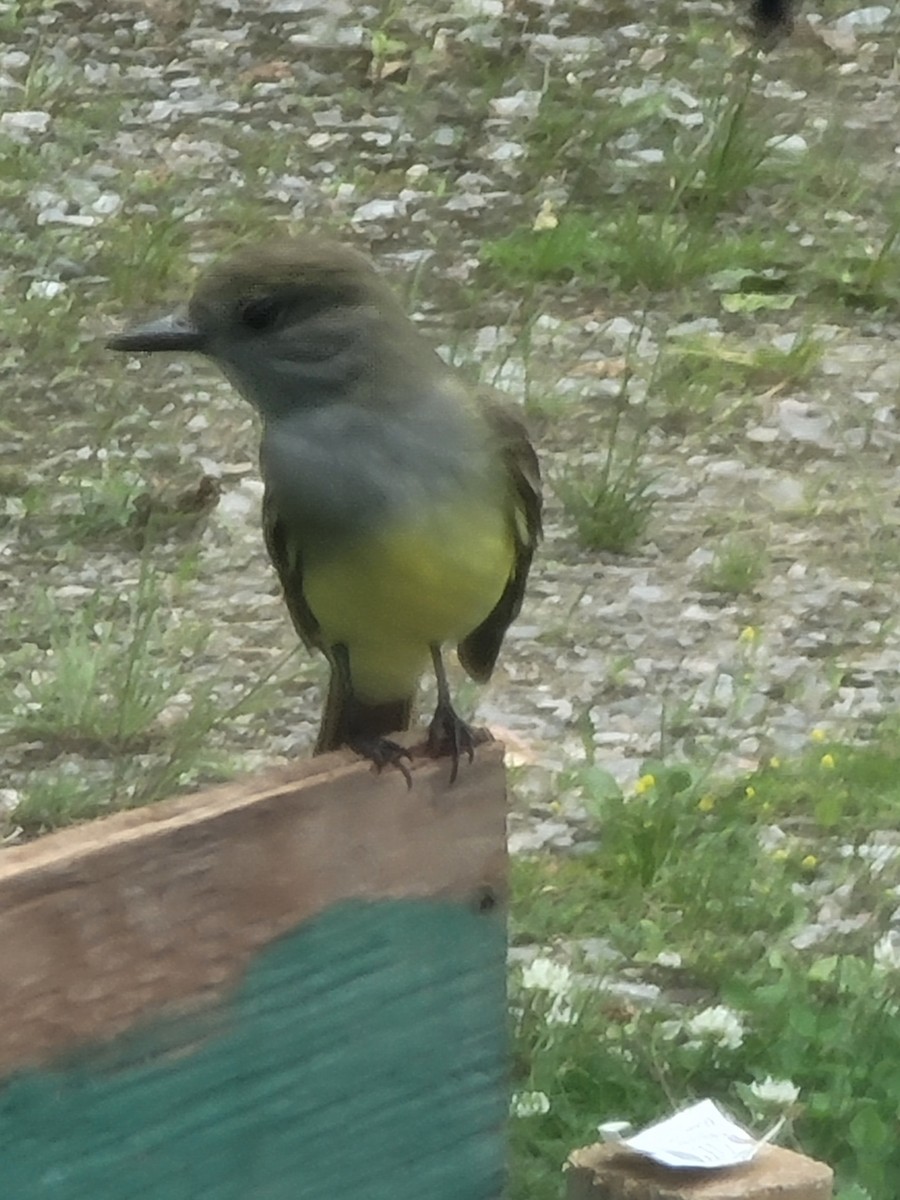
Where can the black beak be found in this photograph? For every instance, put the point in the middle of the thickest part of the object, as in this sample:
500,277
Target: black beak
173,332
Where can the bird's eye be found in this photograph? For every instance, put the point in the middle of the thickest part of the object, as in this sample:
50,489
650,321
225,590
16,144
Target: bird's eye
260,313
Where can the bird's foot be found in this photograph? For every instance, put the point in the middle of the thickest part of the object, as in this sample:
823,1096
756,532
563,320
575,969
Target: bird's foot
450,736
382,752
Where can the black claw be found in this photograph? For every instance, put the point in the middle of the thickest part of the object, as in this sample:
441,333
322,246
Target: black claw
449,735
382,752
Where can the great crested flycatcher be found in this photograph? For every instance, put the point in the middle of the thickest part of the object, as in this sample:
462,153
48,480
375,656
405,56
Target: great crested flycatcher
401,508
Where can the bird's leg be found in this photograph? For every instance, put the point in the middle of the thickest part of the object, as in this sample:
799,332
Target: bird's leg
448,733
380,751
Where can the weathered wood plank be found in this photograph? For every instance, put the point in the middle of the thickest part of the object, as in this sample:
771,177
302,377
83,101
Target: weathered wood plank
112,923
361,1058
292,990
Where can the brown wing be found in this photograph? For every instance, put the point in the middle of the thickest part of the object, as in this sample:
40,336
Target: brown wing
286,557
478,652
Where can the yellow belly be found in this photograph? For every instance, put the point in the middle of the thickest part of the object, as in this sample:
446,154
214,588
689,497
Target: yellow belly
394,592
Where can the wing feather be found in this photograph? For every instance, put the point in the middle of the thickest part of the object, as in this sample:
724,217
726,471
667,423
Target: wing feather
478,651
285,554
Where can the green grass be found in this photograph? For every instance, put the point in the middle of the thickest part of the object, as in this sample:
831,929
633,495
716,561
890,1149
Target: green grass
103,682
635,250
669,234
739,565
684,886
146,257
683,221
703,379
609,505
106,700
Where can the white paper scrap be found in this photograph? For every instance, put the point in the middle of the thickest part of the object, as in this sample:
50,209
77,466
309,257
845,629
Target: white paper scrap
701,1136
614,1131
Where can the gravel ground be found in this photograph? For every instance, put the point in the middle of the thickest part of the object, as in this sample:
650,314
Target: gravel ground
141,139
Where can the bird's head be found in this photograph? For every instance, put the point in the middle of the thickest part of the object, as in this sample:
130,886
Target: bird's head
293,323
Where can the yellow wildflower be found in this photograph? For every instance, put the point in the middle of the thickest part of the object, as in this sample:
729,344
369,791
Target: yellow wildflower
750,792
818,735
646,783
827,761
706,803
748,635
809,862
546,218
774,762
780,855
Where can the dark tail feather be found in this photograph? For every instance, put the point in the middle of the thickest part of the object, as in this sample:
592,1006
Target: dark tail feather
347,720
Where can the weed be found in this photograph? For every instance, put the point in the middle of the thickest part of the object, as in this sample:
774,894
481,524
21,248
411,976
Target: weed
611,506
145,257
103,683
738,566
105,505
865,274
688,881
710,177
707,376
52,799
569,250
670,245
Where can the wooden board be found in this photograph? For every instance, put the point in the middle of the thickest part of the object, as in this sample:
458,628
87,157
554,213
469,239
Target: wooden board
288,989
607,1172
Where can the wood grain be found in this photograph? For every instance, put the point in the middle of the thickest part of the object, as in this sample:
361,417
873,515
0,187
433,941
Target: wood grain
120,919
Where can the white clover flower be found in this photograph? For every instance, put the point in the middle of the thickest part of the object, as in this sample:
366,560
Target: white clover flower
44,289
670,1029
529,1104
887,952
779,1093
545,975
561,1012
621,1052
719,1024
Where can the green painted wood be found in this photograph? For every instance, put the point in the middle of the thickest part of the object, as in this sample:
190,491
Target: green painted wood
362,1057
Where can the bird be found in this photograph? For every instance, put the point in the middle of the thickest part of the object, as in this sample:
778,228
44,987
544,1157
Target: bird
401,506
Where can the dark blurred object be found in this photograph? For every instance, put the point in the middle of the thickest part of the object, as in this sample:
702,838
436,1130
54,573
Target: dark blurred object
155,515
772,20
